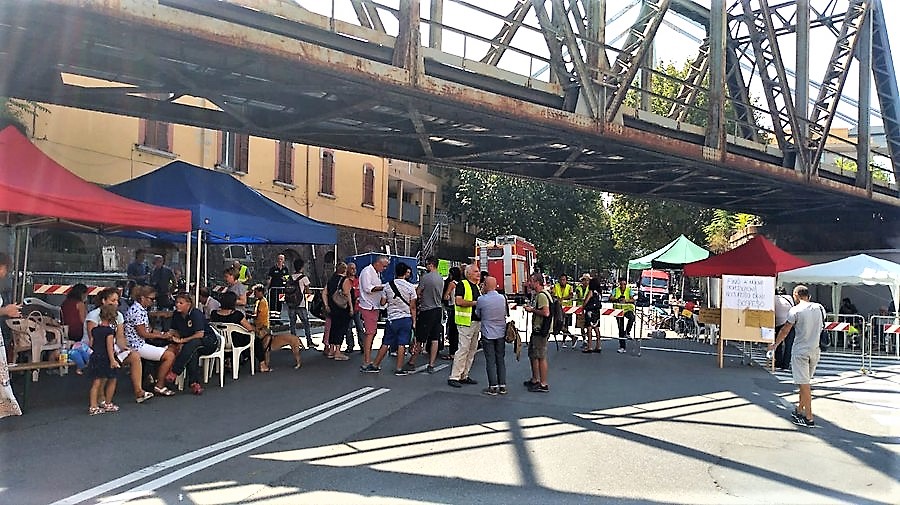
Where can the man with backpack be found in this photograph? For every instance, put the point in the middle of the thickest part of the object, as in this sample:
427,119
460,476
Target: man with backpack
541,323
295,299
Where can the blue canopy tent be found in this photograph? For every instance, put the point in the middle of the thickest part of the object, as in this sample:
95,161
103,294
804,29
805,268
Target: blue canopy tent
224,208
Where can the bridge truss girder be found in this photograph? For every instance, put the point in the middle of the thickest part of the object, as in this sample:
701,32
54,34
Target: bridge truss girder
291,75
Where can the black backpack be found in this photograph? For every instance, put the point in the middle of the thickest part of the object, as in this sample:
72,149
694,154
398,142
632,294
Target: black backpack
547,322
293,295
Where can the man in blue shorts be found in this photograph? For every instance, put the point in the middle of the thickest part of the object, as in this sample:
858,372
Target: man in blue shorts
400,297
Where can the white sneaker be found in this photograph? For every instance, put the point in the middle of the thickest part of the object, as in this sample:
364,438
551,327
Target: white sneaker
621,351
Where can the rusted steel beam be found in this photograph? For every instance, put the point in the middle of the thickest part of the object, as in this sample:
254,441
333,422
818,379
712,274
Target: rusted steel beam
506,116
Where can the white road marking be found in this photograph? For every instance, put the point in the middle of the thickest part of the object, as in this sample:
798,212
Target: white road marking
148,488
190,456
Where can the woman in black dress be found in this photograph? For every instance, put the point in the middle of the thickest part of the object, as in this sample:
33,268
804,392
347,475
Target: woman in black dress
338,300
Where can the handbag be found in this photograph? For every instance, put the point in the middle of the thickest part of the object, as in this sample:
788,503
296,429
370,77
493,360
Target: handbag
512,333
338,297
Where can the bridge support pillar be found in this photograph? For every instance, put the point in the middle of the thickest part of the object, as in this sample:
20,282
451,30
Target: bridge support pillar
715,130
435,30
864,58
801,86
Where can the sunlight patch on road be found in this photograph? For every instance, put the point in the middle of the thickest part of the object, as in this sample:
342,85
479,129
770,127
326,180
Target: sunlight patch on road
698,408
445,452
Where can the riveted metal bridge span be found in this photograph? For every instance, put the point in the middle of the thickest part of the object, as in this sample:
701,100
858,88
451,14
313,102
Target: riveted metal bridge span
539,90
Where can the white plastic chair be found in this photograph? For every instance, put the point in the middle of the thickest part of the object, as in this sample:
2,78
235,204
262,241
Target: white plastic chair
228,330
219,355
29,334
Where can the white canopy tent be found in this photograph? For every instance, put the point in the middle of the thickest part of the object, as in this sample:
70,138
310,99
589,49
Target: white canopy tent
861,269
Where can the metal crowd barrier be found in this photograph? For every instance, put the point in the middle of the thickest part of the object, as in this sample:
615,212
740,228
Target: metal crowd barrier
884,333
843,325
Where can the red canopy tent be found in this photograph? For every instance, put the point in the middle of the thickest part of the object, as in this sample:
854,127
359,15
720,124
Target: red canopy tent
36,191
758,256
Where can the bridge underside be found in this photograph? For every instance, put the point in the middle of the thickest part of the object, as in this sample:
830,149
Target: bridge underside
283,80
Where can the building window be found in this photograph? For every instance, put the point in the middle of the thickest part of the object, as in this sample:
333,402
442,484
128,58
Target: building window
156,135
327,174
368,188
234,151
284,171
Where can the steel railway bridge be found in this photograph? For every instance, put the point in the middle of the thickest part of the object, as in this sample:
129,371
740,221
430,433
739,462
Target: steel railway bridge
542,89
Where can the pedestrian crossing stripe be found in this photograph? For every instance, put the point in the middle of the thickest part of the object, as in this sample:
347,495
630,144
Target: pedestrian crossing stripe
831,364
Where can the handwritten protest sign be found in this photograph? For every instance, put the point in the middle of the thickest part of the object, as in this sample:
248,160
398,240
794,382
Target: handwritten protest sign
748,292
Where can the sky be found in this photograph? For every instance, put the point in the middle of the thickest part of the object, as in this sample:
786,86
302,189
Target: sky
676,40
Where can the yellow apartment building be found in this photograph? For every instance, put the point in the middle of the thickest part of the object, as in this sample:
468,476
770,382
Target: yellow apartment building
374,202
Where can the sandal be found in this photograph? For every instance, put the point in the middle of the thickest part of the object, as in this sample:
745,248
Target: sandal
264,370
341,357
163,391
109,407
146,395
298,366
93,411
196,388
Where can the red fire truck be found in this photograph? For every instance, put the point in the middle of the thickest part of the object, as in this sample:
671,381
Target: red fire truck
510,259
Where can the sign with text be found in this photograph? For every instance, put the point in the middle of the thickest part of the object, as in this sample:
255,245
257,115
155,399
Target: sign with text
710,316
748,292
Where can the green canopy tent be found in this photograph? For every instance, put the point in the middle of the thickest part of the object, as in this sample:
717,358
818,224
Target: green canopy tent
673,255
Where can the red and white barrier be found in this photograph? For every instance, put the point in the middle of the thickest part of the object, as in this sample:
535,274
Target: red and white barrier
601,312
62,289
837,326
892,328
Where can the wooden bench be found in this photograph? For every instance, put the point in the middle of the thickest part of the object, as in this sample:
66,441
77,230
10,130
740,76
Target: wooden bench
34,367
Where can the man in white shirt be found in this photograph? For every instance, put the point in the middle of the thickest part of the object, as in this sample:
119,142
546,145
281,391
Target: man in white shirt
370,290
400,298
207,303
808,318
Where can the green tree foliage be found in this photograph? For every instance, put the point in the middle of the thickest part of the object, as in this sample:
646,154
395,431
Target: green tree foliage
567,225
640,225
722,225
878,172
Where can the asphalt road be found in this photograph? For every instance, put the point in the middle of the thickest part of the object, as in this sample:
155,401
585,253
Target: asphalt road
665,427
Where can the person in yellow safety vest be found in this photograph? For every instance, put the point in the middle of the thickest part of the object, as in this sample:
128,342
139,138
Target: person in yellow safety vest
243,273
581,292
623,299
468,324
563,292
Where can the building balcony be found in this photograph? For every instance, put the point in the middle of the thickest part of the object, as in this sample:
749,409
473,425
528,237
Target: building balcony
411,211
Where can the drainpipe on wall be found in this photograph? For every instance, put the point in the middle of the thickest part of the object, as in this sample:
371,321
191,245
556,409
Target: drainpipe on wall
307,184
